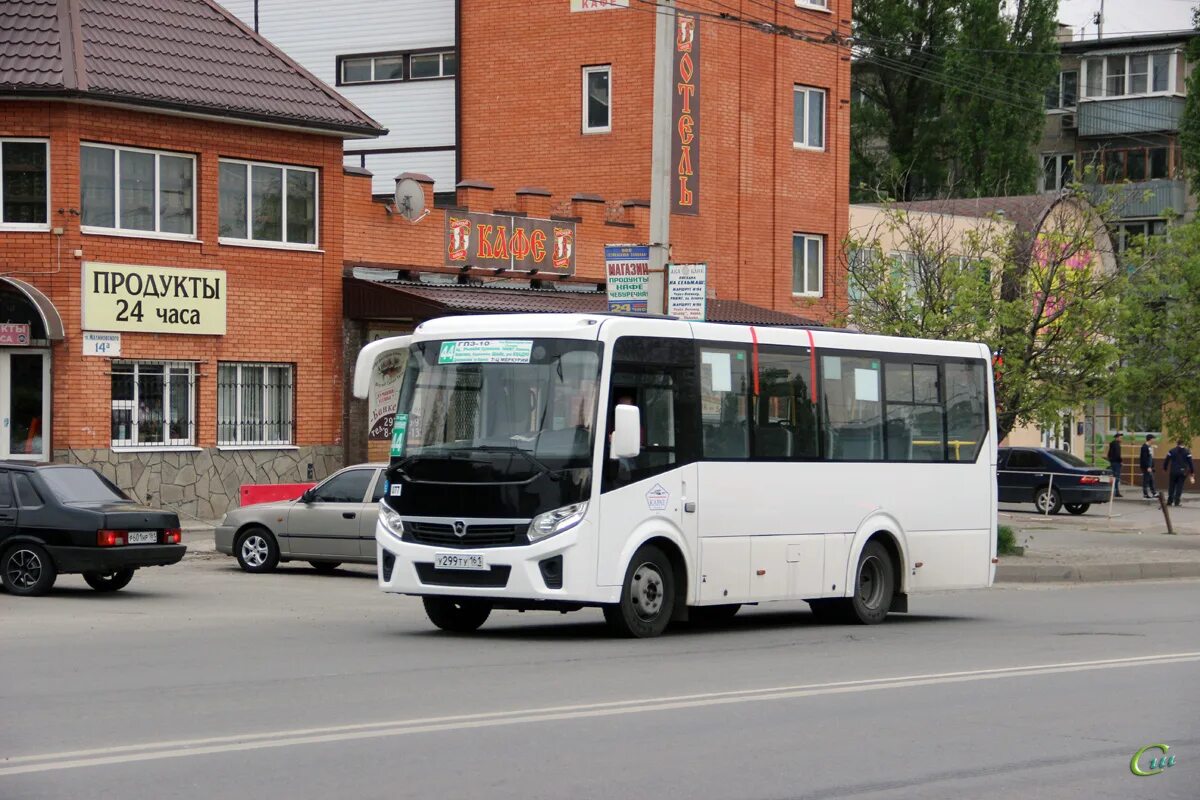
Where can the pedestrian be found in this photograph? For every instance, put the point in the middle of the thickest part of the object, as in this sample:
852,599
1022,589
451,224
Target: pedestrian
1114,461
1146,465
1179,466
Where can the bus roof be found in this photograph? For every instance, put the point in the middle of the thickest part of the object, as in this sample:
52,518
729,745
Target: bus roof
588,326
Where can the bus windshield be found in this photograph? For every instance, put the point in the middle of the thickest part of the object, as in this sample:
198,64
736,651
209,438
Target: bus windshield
532,397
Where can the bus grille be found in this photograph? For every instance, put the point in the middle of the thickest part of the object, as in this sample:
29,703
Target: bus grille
480,535
494,578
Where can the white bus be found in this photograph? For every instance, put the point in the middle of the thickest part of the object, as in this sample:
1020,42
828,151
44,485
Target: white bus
668,470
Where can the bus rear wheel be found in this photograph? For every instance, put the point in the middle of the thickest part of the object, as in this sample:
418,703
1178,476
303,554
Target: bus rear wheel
647,596
457,614
874,586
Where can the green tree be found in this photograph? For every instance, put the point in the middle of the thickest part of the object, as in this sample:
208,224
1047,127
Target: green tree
1189,125
1003,63
1048,304
948,96
897,125
1159,346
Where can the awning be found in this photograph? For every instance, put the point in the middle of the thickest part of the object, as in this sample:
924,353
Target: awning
414,300
46,310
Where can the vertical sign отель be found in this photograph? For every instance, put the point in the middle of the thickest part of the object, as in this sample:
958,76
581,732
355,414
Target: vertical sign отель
685,117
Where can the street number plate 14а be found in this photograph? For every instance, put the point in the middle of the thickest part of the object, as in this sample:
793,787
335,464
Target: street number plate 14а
459,561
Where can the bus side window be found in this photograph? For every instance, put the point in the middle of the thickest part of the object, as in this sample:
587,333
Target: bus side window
785,421
852,408
724,402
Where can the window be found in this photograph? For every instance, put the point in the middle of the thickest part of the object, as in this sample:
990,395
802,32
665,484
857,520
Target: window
254,404
860,260
906,269
24,173
659,376
345,487
27,493
1064,92
396,66
152,404
852,408
142,191
381,487
1058,170
785,418
724,402
1024,459
597,99
1130,163
423,66
266,203
372,69
966,409
808,264
1127,75
1135,233
915,420
812,3
6,496
808,117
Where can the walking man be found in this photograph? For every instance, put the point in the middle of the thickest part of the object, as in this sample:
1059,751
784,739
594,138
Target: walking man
1114,461
1179,466
1146,465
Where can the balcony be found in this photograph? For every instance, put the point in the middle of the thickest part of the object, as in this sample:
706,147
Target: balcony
1142,199
1131,115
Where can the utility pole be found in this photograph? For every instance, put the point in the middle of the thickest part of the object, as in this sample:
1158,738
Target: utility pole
1099,19
660,159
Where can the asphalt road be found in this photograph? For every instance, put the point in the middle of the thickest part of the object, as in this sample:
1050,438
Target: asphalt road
201,682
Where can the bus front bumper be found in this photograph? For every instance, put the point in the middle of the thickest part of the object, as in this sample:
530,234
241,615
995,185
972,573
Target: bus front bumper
528,572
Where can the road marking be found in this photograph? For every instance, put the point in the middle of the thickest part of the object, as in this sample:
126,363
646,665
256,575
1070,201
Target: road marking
153,751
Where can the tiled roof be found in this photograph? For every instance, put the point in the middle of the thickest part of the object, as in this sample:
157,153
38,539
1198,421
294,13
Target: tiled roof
1026,211
371,299
188,55
29,45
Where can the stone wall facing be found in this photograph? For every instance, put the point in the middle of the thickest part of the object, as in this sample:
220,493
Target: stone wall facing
204,484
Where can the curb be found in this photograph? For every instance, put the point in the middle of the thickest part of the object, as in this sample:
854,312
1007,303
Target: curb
1095,573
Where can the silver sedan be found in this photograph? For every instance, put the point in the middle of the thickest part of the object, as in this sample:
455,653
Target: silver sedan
330,524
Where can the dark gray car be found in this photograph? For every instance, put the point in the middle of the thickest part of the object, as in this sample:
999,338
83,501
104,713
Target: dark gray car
57,518
332,523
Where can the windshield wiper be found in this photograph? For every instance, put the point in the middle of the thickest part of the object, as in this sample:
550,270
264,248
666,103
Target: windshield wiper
497,448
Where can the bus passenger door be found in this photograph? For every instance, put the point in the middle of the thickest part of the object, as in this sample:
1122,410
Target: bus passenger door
654,494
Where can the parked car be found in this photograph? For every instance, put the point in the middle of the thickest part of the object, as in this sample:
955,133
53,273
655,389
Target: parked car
57,518
331,524
1023,475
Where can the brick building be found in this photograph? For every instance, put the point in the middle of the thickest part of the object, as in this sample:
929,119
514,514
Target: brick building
559,97
171,249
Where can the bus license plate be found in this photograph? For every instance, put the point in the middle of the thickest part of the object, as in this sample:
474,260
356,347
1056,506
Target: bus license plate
143,537
459,561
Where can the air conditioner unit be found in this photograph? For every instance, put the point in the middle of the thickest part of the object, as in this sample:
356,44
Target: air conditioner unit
1068,122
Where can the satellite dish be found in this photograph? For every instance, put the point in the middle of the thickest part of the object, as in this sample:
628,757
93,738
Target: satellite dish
410,200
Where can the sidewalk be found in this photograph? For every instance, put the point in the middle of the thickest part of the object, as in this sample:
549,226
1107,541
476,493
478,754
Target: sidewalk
1131,544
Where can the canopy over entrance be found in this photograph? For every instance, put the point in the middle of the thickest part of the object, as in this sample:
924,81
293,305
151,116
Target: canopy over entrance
21,302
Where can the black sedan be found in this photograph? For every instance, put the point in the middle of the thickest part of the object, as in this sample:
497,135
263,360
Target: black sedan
59,518
1050,479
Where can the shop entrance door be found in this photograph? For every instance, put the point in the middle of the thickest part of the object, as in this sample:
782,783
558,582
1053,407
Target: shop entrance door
25,404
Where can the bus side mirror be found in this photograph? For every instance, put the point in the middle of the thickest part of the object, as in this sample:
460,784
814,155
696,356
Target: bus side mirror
627,432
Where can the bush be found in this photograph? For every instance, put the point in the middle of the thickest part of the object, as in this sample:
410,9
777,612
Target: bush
1006,542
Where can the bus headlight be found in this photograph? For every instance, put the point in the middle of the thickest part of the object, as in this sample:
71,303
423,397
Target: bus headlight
556,521
391,520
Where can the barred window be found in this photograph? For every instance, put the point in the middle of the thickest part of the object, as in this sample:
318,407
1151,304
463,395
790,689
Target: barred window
153,404
254,404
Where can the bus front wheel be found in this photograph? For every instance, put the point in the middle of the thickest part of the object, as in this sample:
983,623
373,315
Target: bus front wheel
647,596
457,614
